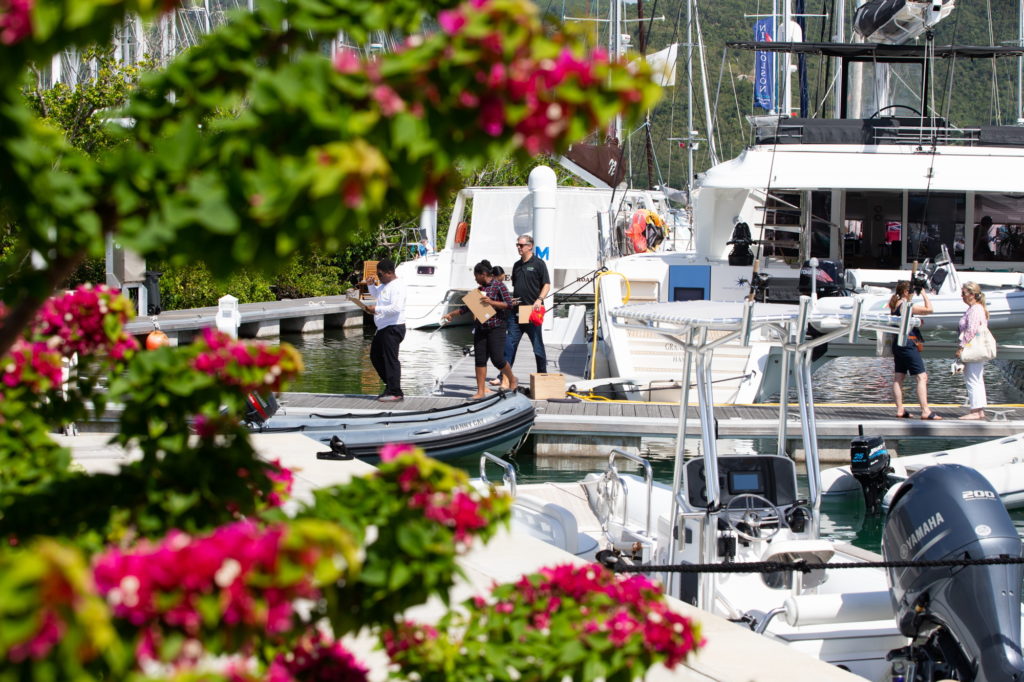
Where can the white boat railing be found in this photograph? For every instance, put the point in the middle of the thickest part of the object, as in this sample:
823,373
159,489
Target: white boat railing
508,476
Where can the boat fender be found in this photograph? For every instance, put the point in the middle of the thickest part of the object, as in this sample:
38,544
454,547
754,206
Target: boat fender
822,609
462,233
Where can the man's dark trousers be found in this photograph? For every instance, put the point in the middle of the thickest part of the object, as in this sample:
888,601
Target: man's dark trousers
384,356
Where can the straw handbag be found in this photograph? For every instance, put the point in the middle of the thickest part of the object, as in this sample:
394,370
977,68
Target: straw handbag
981,348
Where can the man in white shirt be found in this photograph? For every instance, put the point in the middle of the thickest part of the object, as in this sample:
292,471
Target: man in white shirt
389,318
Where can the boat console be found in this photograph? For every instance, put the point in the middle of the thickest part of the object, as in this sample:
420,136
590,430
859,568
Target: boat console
769,476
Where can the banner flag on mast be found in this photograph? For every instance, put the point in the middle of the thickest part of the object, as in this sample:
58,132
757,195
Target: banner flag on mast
663,65
764,65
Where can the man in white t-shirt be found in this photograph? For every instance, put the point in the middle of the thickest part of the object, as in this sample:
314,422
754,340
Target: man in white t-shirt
389,318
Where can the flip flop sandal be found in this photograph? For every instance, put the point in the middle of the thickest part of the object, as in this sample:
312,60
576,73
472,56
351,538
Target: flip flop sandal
931,417
905,415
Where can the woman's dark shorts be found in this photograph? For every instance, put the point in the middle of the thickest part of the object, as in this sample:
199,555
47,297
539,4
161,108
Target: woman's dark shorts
489,343
907,360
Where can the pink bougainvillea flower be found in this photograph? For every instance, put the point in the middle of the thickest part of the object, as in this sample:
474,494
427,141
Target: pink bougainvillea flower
15,20
389,100
395,450
451,21
347,61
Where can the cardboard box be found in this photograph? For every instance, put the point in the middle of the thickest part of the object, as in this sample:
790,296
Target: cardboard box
481,311
524,314
547,386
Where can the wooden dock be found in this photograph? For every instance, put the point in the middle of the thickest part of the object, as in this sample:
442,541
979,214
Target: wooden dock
302,315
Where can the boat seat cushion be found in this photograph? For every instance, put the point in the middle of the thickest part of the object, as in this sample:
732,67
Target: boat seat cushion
550,522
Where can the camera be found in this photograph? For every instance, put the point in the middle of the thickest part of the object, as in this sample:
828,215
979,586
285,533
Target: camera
919,284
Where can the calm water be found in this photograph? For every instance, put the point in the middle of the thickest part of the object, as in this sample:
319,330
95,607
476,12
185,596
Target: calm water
339,362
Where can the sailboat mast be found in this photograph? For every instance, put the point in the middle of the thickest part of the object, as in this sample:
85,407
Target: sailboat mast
689,95
615,50
839,36
1020,64
787,58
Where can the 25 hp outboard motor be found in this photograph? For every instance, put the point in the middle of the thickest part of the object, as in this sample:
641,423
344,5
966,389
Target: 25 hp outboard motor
964,620
869,464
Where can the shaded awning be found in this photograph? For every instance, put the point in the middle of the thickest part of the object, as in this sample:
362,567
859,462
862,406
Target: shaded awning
879,52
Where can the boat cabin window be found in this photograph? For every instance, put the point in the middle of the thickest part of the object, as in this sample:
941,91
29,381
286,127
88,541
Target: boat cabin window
821,225
934,219
998,233
872,230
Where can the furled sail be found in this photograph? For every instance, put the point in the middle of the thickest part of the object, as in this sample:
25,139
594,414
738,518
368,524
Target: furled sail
898,21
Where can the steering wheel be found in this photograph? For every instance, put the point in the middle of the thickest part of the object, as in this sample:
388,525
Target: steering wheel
755,511
896,106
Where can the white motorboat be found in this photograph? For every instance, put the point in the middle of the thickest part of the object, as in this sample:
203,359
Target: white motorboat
723,510
570,227
1000,461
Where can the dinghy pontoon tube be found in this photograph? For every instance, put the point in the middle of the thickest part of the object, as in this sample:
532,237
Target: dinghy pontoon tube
497,423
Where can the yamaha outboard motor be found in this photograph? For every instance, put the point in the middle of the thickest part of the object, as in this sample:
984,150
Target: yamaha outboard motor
829,275
964,621
741,241
869,464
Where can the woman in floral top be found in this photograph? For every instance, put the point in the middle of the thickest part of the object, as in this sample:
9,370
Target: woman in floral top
974,318
489,336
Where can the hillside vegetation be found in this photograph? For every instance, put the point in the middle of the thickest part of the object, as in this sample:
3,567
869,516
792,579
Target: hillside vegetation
980,93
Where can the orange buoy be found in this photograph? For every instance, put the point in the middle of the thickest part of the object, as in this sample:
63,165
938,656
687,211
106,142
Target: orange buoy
156,339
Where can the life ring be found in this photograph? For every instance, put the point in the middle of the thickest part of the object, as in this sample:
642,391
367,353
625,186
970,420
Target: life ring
462,233
637,228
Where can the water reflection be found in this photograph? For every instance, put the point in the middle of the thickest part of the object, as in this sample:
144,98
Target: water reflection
339,362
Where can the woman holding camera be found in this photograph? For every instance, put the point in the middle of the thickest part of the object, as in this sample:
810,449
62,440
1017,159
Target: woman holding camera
907,358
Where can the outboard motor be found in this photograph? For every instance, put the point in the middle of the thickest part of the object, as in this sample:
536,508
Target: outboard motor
741,241
829,275
869,464
260,407
964,621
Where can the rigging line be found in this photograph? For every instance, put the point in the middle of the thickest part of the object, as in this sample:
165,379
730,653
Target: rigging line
675,90
929,56
650,25
950,68
735,94
718,92
823,73
994,101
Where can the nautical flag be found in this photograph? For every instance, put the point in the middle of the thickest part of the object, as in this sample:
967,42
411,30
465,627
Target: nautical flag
663,65
764,66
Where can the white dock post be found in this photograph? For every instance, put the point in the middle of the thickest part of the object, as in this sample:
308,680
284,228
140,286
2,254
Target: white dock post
228,316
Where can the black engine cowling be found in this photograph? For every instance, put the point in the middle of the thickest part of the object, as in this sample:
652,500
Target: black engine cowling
964,620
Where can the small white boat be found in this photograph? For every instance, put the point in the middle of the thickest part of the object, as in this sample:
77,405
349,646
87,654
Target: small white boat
723,510
1000,461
